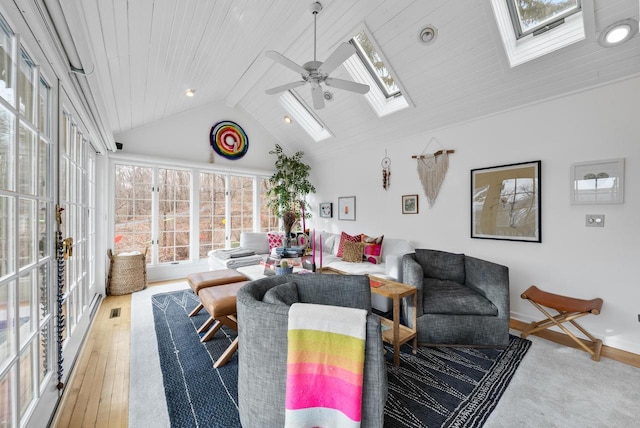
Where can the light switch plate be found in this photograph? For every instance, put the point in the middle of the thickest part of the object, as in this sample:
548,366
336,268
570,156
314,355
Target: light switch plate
594,220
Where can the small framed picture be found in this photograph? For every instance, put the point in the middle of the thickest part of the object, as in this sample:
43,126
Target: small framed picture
409,204
598,182
347,208
326,209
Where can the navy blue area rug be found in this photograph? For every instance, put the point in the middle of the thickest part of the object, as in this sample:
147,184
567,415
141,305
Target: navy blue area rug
437,387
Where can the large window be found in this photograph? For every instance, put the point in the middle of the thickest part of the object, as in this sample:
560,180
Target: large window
133,203
174,194
212,212
182,214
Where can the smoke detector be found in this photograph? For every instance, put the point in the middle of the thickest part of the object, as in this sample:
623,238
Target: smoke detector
328,96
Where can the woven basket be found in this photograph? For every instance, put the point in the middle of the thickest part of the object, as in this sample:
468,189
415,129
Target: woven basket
127,273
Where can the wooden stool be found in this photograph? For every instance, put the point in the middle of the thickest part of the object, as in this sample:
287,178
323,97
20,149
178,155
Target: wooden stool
568,310
220,302
202,280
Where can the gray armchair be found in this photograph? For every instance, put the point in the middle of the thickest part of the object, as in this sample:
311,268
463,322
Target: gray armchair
263,312
461,300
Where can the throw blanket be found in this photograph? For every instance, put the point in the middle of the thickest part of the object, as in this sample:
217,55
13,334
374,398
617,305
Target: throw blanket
325,365
233,253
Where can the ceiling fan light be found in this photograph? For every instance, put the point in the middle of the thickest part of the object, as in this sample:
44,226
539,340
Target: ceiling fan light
617,33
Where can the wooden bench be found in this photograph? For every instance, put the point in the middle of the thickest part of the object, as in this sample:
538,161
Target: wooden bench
568,309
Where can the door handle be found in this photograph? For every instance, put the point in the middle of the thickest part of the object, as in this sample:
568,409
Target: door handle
67,247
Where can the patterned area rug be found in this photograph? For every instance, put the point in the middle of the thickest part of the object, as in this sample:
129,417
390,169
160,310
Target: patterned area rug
437,387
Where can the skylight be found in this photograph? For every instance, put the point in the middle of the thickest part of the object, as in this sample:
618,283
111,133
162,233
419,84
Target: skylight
537,16
369,67
308,120
375,64
532,28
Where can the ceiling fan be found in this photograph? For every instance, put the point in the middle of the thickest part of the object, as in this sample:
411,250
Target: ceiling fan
316,72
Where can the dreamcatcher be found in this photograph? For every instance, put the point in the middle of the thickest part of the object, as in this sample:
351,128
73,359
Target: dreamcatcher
386,171
432,169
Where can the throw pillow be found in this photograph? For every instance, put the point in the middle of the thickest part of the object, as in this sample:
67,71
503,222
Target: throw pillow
373,248
353,252
441,265
275,240
346,237
282,294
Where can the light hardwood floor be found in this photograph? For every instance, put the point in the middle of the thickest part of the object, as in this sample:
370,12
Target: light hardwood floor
98,391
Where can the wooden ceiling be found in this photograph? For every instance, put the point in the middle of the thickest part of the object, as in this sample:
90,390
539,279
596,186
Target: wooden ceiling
148,52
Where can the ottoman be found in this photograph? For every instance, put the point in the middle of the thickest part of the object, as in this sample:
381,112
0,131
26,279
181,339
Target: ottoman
220,302
201,280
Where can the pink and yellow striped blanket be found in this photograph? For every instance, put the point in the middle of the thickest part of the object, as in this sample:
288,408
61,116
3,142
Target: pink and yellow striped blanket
325,365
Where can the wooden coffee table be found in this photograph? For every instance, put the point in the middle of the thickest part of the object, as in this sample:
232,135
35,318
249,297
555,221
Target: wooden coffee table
393,332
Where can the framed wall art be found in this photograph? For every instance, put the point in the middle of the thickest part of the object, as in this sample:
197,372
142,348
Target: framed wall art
409,204
326,209
505,202
347,208
598,182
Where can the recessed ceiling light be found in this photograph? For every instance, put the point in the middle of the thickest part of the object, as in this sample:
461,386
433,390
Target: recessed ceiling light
618,33
287,119
190,92
428,34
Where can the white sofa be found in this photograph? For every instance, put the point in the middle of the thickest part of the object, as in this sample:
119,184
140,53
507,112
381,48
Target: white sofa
391,267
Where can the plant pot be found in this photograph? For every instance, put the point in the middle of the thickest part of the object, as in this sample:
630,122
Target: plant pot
284,270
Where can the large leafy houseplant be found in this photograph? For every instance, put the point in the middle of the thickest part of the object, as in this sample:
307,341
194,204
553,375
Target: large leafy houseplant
288,187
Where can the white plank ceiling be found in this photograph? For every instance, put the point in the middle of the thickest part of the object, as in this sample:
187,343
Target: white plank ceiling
148,52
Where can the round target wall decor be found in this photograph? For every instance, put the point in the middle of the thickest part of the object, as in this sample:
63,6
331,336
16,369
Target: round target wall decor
229,140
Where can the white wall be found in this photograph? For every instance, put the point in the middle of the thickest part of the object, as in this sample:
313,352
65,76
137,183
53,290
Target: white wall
186,137
602,123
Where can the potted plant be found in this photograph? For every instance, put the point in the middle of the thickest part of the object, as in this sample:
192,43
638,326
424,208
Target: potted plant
289,185
284,268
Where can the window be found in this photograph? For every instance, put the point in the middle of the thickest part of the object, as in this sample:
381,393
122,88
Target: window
268,220
6,60
530,29
174,194
537,16
369,67
376,66
241,207
133,201
309,121
182,214
212,212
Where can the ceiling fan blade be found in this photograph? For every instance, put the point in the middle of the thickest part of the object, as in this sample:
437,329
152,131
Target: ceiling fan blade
342,52
318,96
347,85
278,57
285,87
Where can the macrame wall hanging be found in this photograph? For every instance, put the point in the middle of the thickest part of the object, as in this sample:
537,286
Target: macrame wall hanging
432,167
386,171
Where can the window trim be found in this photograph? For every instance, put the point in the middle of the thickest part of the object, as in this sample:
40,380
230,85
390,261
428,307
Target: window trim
304,116
359,72
520,51
549,23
